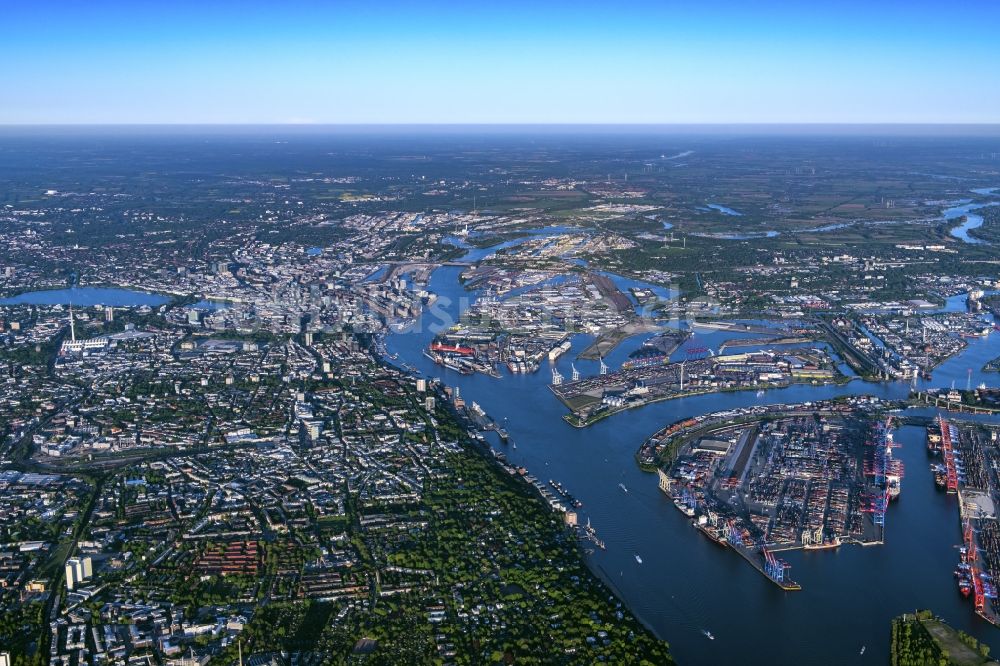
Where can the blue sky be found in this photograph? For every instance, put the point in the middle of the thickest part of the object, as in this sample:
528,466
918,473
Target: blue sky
714,61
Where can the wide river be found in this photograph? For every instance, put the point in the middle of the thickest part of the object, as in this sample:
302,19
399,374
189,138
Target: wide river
972,220
686,583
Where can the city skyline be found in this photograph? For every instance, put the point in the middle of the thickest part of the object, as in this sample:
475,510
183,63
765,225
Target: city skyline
581,63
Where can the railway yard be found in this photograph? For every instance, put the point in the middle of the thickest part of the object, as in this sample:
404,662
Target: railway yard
498,280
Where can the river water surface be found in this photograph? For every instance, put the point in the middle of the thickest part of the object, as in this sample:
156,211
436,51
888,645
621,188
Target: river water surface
686,583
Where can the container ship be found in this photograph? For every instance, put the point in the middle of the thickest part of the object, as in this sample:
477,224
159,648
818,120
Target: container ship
933,441
645,361
971,578
713,532
888,471
644,357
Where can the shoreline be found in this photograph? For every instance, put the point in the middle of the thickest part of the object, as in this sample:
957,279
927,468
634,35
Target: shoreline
568,418
713,530
485,450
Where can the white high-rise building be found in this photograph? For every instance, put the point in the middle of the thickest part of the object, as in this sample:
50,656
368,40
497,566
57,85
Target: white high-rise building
78,569
70,575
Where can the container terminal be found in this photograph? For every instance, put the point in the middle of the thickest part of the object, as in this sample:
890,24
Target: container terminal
592,398
762,481
968,468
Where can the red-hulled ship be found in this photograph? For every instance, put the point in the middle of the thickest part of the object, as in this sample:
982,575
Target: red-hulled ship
452,349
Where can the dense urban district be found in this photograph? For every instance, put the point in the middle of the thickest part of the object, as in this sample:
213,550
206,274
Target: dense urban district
210,454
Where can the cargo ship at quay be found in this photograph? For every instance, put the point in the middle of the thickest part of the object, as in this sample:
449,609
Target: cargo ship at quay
968,469
460,358
468,353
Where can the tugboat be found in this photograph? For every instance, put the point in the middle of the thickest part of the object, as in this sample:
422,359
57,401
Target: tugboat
709,636
638,559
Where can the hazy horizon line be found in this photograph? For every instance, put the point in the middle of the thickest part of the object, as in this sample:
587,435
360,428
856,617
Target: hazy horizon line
296,123
841,128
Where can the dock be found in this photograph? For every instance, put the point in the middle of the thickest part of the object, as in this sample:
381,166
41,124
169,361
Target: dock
970,473
728,473
758,562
